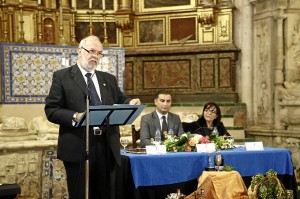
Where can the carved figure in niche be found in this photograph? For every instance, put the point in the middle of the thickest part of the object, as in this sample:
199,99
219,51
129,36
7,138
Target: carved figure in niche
293,145
279,142
263,106
290,91
262,51
49,31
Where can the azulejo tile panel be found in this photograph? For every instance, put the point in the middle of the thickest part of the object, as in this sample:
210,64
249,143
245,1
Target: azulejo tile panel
27,69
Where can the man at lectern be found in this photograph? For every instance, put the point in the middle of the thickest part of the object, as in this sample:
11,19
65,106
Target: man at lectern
65,104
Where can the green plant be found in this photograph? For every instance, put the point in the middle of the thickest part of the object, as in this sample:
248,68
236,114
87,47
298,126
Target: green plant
228,168
267,187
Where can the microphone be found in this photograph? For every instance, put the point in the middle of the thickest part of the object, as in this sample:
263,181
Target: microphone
201,127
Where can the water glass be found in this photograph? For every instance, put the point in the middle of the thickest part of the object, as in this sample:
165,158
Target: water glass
124,143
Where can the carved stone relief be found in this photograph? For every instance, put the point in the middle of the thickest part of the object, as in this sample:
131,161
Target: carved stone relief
262,88
24,169
289,93
293,144
293,49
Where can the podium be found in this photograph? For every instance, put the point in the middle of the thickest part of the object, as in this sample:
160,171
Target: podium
106,115
119,114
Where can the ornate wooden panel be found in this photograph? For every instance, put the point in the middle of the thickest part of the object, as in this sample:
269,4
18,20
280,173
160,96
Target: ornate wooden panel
166,74
186,73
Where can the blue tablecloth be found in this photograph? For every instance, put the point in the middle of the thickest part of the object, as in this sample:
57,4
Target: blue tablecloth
170,168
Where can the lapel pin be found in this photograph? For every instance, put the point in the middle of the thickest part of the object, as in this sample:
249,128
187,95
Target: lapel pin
104,84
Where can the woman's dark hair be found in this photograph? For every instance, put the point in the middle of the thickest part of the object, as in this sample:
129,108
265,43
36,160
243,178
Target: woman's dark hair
218,112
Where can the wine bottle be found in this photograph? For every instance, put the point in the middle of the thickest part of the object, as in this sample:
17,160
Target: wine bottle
202,194
180,195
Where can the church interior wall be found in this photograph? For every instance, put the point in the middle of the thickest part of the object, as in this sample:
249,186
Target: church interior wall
243,54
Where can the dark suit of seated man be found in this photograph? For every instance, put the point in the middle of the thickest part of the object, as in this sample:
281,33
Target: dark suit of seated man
153,121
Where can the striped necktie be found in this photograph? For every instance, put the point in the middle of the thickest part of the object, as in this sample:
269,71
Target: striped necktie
94,97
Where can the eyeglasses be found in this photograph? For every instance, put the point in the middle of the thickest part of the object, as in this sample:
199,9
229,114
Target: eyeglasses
94,52
210,111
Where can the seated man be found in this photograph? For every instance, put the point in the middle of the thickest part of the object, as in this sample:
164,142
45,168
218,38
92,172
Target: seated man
153,121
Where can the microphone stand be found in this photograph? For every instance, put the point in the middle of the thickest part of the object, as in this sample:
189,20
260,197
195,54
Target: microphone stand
201,127
87,127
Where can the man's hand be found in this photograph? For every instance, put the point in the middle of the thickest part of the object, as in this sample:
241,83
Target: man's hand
135,101
78,116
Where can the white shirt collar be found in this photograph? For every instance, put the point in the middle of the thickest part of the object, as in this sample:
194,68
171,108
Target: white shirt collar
84,71
160,115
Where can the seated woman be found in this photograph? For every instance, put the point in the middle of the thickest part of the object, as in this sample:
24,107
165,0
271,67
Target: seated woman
211,117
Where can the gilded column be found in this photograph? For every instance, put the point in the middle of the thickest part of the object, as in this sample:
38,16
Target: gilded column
4,22
22,33
39,23
124,5
73,35
61,28
124,21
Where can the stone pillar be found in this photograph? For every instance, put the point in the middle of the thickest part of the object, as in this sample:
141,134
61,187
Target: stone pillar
246,46
279,16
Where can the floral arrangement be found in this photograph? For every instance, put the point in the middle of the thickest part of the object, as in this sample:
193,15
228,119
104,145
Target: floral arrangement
187,142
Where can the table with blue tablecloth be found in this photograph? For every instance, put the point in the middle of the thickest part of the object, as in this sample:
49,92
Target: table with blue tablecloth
154,176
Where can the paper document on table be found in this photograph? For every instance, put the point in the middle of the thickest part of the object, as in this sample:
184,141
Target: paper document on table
156,149
209,147
254,146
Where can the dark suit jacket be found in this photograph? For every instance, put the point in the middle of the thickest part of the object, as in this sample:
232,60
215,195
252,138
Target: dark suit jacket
150,122
67,96
200,127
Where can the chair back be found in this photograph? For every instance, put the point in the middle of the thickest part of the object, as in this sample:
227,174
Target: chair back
135,136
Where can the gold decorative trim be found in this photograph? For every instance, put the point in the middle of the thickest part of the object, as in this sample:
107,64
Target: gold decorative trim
208,35
171,7
224,26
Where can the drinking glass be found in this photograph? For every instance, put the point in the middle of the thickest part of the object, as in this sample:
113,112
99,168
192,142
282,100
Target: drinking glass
218,160
124,143
210,159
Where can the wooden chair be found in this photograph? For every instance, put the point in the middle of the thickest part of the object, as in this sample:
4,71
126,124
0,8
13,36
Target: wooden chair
135,136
